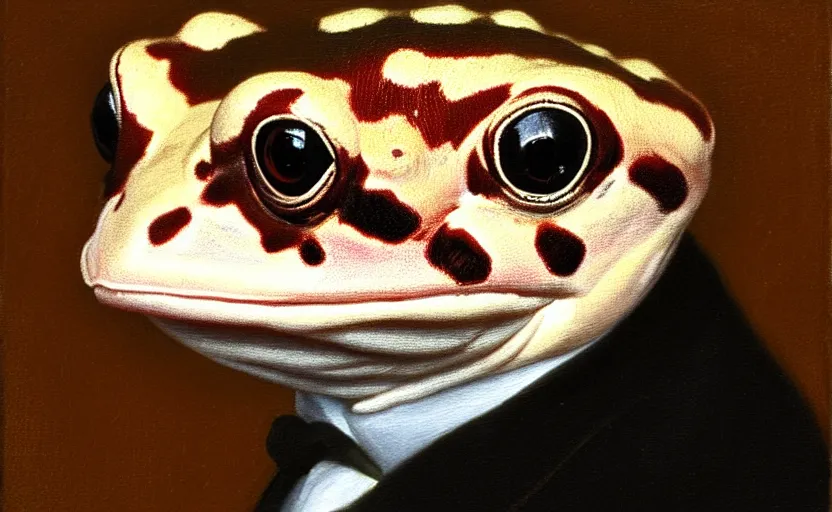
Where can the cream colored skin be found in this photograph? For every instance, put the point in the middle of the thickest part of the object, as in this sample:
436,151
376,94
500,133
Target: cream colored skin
376,323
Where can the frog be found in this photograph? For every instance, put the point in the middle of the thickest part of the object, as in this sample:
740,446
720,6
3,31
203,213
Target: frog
414,202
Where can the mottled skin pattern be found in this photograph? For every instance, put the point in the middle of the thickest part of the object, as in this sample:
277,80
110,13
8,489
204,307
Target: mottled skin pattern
418,270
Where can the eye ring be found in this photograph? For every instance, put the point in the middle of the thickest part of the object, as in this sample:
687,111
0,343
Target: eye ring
567,185
291,171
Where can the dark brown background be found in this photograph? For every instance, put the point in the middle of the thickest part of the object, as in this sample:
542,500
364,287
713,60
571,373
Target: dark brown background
102,412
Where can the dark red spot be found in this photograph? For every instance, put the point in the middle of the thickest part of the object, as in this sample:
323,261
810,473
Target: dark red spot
561,250
182,57
312,252
662,180
456,253
278,238
204,170
194,72
132,145
379,214
397,153
118,203
479,180
164,228
219,192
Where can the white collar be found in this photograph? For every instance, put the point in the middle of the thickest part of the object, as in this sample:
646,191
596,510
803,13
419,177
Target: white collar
393,435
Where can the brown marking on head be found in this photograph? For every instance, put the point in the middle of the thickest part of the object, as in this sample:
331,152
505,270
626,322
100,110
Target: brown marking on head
456,253
133,141
561,250
181,56
193,71
662,180
166,226
439,120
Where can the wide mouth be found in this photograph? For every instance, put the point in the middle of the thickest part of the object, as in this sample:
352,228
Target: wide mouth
436,309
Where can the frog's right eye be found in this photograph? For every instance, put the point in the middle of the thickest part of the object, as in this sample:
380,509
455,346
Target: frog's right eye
104,120
542,154
294,166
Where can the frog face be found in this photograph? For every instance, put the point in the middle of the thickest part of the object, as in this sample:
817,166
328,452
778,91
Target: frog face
413,200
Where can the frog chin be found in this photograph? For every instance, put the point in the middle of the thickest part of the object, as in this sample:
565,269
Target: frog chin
355,362
378,354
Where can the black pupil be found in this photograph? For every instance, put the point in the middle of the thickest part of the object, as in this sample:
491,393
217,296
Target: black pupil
105,123
292,156
543,150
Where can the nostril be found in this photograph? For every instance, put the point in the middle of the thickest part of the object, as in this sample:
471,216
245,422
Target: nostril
397,153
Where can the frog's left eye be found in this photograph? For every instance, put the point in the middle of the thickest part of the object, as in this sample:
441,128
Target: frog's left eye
542,153
295,164
104,121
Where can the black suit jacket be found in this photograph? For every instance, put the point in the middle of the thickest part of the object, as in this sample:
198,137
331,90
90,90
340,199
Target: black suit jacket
679,408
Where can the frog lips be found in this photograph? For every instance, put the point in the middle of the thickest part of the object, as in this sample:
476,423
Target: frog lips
301,318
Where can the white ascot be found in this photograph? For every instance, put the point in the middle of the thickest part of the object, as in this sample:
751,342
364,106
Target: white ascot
394,435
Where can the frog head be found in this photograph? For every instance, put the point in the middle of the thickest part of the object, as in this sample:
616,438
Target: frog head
405,201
